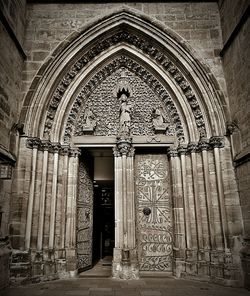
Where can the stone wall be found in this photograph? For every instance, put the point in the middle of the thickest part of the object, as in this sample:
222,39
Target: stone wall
12,28
50,24
236,36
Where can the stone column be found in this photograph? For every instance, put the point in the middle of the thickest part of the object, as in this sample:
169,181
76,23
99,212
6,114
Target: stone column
70,236
178,212
192,149
217,143
182,151
56,148
33,143
45,145
125,263
204,146
118,200
65,154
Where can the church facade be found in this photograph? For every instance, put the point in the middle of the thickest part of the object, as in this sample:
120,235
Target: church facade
125,147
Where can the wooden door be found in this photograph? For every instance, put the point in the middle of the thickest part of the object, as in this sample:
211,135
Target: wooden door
154,212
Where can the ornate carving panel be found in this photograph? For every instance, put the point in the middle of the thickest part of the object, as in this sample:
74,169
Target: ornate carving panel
84,217
154,218
105,105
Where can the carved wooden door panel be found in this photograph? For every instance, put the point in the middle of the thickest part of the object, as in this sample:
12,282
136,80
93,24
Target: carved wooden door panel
154,217
84,217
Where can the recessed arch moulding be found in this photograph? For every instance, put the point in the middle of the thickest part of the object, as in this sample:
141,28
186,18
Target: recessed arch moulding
126,41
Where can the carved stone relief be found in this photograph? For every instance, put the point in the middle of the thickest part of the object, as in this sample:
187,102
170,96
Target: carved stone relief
84,217
154,220
131,113
143,45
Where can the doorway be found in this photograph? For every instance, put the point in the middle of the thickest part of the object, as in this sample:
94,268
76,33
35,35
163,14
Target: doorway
95,209
103,226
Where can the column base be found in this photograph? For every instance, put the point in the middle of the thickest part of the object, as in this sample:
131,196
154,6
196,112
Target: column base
125,264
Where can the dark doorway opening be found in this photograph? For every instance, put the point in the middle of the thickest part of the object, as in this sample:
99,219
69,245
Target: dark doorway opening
103,227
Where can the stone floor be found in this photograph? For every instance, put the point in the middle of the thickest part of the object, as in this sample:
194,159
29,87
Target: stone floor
108,286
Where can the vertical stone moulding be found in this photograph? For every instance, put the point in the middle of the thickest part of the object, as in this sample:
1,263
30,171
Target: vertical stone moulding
125,265
178,213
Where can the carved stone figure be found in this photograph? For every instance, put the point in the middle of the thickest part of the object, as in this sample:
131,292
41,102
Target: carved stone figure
89,121
125,118
160,121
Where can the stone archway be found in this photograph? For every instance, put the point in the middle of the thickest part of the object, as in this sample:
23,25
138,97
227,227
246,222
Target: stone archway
199,153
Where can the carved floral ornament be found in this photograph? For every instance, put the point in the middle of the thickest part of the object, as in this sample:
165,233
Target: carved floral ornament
143,45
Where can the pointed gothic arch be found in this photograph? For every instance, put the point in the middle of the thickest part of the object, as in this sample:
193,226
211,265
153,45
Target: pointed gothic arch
157,47
199,153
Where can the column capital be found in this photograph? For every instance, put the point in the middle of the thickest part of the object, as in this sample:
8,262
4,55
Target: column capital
33,143
124,146
182,149
45,145
172,152
74,152
65,149
204,144
192,147
217,142
56,147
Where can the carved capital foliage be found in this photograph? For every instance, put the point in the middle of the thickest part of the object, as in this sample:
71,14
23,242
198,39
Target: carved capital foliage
65,149
204,144
46,145
74,152
124,146
33,143
217,142
192,147
182,149
172,152
56,147
144,45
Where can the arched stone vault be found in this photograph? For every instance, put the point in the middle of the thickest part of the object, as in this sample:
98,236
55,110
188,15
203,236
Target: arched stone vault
160,50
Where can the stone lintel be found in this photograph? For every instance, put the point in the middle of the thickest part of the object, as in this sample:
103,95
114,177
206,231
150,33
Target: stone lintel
110,141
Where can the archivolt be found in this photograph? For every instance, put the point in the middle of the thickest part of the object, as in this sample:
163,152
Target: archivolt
165,54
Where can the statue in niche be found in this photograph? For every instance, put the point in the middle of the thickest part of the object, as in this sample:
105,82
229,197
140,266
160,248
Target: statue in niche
125,117
159,120
89,121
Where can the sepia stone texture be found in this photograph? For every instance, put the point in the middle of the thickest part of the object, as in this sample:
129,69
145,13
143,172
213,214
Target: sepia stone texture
166,86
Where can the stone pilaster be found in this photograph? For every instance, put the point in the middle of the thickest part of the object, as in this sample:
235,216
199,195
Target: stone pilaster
33,143
56,147
192,148
178,213
217,143
125,263
70,236
45,146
